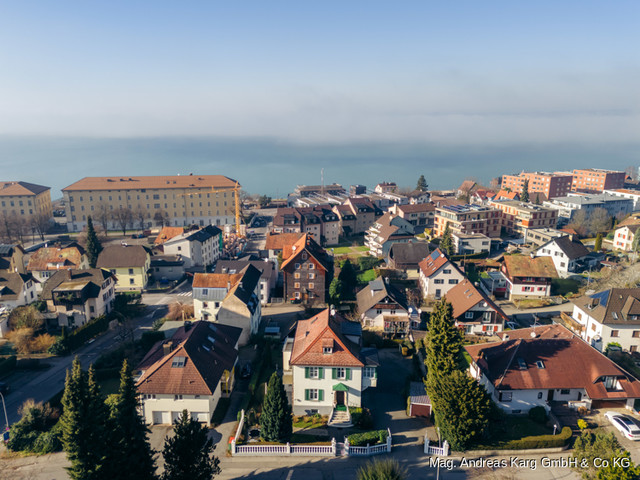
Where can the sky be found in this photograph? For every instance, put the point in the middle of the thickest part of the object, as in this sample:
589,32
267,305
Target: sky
463,72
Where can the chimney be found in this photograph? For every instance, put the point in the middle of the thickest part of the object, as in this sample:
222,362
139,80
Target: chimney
228,285
166,348
187,325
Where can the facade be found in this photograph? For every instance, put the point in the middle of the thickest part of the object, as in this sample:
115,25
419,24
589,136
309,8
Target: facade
540,236
633,195
568,253
609,316
568,206
129,263
307,271
384,308
229,299
167,233
386,187
471,244
268,274
365,213
46,261
531,367
192,370
275,244
518,217
468,219
595,180
166,268
550,184
438,275
12,258
327,365
23,202
473,311
420,215
198,249
527,276
16,290
174,200
75,297
624,236
321,222
386,231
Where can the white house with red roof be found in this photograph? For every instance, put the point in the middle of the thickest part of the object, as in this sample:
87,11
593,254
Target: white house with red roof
473,311
326,367
438,275
192,370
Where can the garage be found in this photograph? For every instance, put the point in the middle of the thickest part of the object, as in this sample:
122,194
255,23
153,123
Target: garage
598,404
175,416
419,402
202,417
160,418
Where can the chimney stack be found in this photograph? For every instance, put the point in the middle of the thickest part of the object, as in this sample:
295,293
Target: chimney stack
166,348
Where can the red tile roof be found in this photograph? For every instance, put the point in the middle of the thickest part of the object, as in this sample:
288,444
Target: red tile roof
167,233
278,241
567,362
216,280
317,331
434,262
465,295
308,244
54,258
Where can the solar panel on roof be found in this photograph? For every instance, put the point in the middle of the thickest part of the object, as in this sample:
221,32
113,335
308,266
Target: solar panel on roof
435,254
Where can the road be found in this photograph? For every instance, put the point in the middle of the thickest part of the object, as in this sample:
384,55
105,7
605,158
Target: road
42,385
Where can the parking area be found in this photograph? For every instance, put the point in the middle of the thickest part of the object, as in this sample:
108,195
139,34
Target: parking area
632,446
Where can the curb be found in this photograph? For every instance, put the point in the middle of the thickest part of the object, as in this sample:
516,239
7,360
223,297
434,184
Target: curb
497,453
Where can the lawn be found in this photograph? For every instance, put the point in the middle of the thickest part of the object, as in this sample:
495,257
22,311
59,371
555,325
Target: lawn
311,421
109,386
564,286
513,428
367,276
341,250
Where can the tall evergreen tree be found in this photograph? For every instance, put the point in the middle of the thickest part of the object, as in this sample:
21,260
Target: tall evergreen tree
422,184
93,244
129,448
82,422
276,421
443,343
524,196
461,408
187,455
598,243
348,279
446,243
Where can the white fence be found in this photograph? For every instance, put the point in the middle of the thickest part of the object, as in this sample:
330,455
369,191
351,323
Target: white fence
351,451
276,450
435,450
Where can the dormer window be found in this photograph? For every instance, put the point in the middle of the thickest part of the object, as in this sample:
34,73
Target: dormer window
327,350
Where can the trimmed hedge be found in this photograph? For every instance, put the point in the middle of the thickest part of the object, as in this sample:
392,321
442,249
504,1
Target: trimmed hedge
8,365
66,344
539,441
367,438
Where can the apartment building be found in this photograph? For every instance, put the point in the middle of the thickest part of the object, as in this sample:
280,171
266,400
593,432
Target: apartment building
468,219
175,200
23,201
421,215
321,222
633,195
550,184
518,217
569,205
595,180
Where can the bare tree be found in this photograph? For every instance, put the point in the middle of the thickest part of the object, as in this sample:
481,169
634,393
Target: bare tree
496,183
180,311
103,215
5,228
162,217
599,220
580,223
123,216
140,214
19,228
40,223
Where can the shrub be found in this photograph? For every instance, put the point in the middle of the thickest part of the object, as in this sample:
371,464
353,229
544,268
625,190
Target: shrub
367,438
33,432
361,417
387,469
539,441
582,424
149,339
8,364
582,411
68,343
538,414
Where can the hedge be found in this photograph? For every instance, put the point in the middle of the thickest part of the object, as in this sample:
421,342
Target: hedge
367,438
8,365
66,344
540,441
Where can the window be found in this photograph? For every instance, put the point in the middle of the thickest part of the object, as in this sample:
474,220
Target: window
539,395
297,266
438,281
468,315
341,372
505,396
177,397
311,266
296,295
327,350
453,281
178,362
296,275
314,395
369,372
446,271
314,372
311,286
132,281
312,276
131,271
565,391
615,333
296,285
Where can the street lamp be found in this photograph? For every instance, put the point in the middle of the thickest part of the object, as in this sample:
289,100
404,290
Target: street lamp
4,406
555,427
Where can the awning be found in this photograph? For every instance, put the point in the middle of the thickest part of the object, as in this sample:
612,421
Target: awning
340,387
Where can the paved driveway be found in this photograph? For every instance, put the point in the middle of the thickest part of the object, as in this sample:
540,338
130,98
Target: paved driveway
632,446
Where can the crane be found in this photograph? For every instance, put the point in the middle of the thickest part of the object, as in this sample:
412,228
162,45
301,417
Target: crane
236,194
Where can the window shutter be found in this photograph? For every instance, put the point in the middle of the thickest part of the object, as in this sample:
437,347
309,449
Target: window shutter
320,372
375,373
320,395
334,373
306,394
348,374
306,372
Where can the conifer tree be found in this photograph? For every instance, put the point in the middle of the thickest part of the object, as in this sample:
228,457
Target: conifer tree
129,448
598,244
446,243
348,279
422,184
93,244
187,455
524,196
82,423
443,343
275,421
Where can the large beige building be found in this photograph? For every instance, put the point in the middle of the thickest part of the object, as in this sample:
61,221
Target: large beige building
24,200
175,200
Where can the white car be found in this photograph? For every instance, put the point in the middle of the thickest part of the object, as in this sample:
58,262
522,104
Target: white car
626,425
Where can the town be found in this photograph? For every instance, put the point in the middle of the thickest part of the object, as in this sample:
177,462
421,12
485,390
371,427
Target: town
334,333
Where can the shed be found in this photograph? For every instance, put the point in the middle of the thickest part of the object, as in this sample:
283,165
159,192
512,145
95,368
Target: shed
419,401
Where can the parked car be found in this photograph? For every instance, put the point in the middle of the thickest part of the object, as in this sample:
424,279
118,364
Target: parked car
624,424
4,388
246,371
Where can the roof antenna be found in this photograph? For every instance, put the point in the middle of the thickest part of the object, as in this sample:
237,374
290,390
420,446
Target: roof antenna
535,323
322,179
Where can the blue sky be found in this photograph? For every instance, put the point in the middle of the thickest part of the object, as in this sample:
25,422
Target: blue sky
444,72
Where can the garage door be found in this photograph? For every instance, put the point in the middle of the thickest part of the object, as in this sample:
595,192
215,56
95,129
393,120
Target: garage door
175,416
161,417
202,417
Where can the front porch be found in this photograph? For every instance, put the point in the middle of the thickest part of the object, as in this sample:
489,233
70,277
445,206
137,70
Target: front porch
340,416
